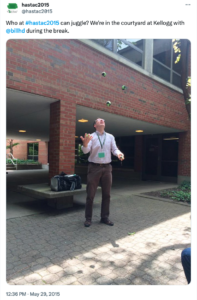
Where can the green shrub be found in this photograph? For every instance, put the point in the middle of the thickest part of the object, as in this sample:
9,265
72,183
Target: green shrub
178,195
23,162
185,185
182,196
164,194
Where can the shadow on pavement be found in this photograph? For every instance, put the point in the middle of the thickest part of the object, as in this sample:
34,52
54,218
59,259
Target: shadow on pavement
53,247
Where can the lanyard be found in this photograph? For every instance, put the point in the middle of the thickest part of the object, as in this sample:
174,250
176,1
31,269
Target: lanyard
100,140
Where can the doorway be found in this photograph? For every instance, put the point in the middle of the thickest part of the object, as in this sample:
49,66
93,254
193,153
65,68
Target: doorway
160,158
152,154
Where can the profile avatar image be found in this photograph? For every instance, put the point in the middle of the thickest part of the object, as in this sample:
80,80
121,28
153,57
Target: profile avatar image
12,6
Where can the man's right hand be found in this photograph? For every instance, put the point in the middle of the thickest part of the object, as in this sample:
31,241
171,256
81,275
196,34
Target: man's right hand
87,137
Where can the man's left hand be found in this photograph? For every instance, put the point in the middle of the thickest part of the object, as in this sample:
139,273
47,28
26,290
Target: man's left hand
121,156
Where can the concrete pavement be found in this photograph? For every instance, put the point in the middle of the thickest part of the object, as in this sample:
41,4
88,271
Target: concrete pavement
48,247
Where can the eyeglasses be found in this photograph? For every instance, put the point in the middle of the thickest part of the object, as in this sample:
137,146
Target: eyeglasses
101,120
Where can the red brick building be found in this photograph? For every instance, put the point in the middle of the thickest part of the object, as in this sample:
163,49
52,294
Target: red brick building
52,84
23,150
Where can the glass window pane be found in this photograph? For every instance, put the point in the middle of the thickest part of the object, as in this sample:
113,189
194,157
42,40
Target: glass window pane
128,52
176,80
136,42
161,71
105,43
30,149
162,51
35,148
30,157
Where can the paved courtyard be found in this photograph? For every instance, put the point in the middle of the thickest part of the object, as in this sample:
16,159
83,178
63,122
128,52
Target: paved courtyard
54,248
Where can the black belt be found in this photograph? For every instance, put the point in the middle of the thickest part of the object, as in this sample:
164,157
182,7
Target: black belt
99,164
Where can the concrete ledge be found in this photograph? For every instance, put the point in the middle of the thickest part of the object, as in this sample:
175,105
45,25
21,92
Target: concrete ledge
60,203
28,167
46,167
57,200
44,190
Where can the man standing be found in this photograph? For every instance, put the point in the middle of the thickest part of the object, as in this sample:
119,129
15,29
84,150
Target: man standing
100,144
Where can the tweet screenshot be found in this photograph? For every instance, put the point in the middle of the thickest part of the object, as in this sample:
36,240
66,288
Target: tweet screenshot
98,114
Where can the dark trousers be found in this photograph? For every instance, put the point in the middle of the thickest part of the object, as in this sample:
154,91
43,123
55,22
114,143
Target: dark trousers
103,175
186,263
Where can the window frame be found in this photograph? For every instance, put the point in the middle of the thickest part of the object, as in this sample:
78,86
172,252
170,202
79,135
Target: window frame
33,155
147,60
169,68
114,49
135,48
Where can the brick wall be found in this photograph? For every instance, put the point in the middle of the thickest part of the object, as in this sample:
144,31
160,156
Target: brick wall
184,165
43,152
54,138
62,138
70,71
184,156
20,151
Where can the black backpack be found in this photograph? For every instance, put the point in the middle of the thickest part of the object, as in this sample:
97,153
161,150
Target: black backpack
64,182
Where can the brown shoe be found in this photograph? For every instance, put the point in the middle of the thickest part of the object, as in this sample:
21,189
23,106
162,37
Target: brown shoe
107,222
87,223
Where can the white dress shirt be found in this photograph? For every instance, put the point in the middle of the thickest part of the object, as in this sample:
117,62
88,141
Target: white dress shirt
94,147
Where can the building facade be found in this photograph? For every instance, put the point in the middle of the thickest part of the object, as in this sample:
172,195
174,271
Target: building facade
68,74
33,150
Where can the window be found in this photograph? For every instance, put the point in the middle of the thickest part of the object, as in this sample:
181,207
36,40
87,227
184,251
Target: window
176,79
136,42
163,62
161,71
131,50
32,151
105,43
162,51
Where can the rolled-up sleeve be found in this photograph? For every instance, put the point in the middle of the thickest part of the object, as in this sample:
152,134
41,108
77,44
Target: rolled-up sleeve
87,149
114,148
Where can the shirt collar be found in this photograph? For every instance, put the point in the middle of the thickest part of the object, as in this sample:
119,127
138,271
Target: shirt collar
100,133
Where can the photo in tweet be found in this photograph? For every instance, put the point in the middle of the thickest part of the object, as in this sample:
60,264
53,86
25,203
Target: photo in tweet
56,90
